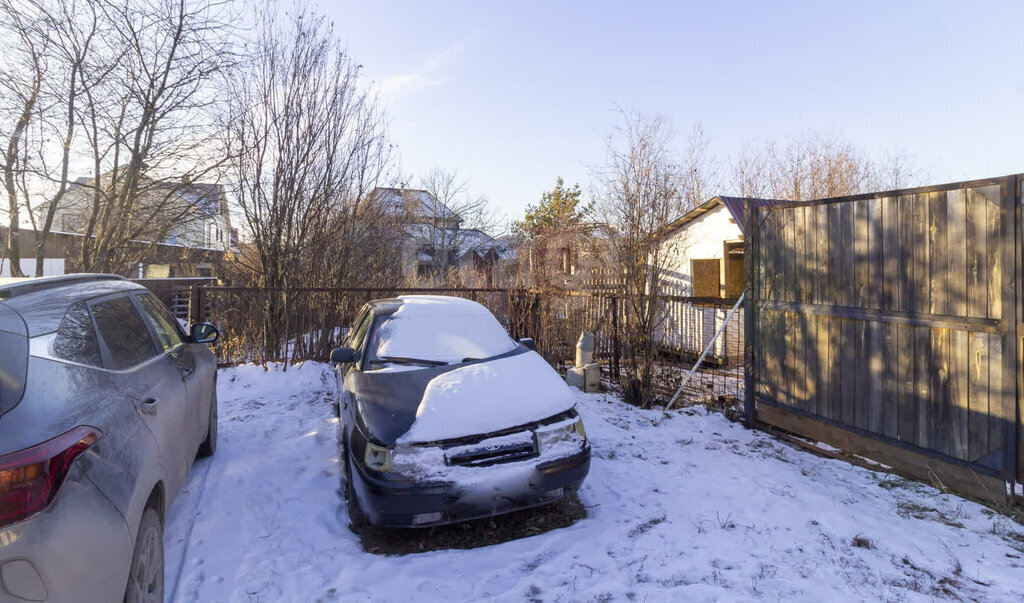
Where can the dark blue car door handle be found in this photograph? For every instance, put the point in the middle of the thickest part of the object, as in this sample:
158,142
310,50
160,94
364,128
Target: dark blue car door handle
148,406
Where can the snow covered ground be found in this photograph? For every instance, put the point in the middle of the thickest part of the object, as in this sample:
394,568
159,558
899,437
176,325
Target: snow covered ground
682,506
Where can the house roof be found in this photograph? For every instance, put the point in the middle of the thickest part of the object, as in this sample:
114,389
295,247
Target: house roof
422,202
735,205
209,198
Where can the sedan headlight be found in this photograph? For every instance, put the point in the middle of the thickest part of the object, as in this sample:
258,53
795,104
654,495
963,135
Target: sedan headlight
571,436
578,428
377,457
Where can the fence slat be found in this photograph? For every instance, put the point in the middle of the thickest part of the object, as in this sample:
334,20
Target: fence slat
959,346
977,231
977,388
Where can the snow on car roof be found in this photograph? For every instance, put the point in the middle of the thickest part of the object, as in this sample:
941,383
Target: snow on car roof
440,328
440,304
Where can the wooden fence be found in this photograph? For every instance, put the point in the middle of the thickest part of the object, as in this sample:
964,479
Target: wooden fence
889,323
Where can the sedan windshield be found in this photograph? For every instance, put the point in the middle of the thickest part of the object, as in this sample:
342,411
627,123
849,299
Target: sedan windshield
436,334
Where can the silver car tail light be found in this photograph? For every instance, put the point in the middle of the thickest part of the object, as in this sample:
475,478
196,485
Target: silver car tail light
30,478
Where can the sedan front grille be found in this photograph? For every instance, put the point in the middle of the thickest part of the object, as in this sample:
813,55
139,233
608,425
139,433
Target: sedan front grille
483,454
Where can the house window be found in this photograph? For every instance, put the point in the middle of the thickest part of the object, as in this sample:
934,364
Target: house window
733,254
707,278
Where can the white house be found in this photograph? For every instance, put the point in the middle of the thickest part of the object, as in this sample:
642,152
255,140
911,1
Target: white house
704,263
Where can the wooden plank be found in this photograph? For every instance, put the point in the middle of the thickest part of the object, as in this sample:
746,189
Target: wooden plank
919,285
875,382
876,259
789,282
706,277
994,248
890,379
956,242
977,235
923,357
785,361
846,255
777,251
892,271
834,370
985,325
1013,309
861,376
849,370
811,240
812,361
771,353
861,270
906,413
824,351
977,392
939,412
938,251
832,290
795,324
752,290
905,254
822,250
1008,309
944,475
800,271
959,349
997,419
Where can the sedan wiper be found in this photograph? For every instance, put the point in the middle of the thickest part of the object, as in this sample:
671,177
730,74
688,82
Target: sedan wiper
404,360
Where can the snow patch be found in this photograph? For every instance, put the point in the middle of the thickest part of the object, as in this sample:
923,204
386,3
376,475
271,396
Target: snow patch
488,396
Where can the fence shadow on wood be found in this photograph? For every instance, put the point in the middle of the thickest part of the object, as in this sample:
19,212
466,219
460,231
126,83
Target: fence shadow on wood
894,317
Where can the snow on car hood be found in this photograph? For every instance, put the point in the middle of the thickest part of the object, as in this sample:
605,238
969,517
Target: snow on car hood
490,396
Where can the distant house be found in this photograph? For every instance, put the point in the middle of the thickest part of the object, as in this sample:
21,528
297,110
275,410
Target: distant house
435,243
704,262
705,249
174,214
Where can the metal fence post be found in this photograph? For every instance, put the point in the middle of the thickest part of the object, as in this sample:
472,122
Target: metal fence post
194,308
615,338
751,287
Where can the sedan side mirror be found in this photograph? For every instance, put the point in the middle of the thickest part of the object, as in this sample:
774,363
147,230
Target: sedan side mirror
204,332
343,355
528,343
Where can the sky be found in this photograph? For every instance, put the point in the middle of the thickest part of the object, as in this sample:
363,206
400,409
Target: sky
513,95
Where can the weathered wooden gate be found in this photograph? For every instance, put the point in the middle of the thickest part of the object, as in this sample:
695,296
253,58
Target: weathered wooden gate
887,324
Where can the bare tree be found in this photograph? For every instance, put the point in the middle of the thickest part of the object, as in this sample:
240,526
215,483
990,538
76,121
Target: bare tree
70,29
816,166
453,225
21,82
307,144
700,169
642,189
149,121
125,86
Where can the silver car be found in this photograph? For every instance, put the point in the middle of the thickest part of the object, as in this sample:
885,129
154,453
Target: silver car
104,404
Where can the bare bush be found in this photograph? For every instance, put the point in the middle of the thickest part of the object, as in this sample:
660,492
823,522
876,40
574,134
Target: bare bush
124,88
306,145
641,190
816,166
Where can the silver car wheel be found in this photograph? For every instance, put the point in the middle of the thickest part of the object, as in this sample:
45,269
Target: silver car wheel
146,578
